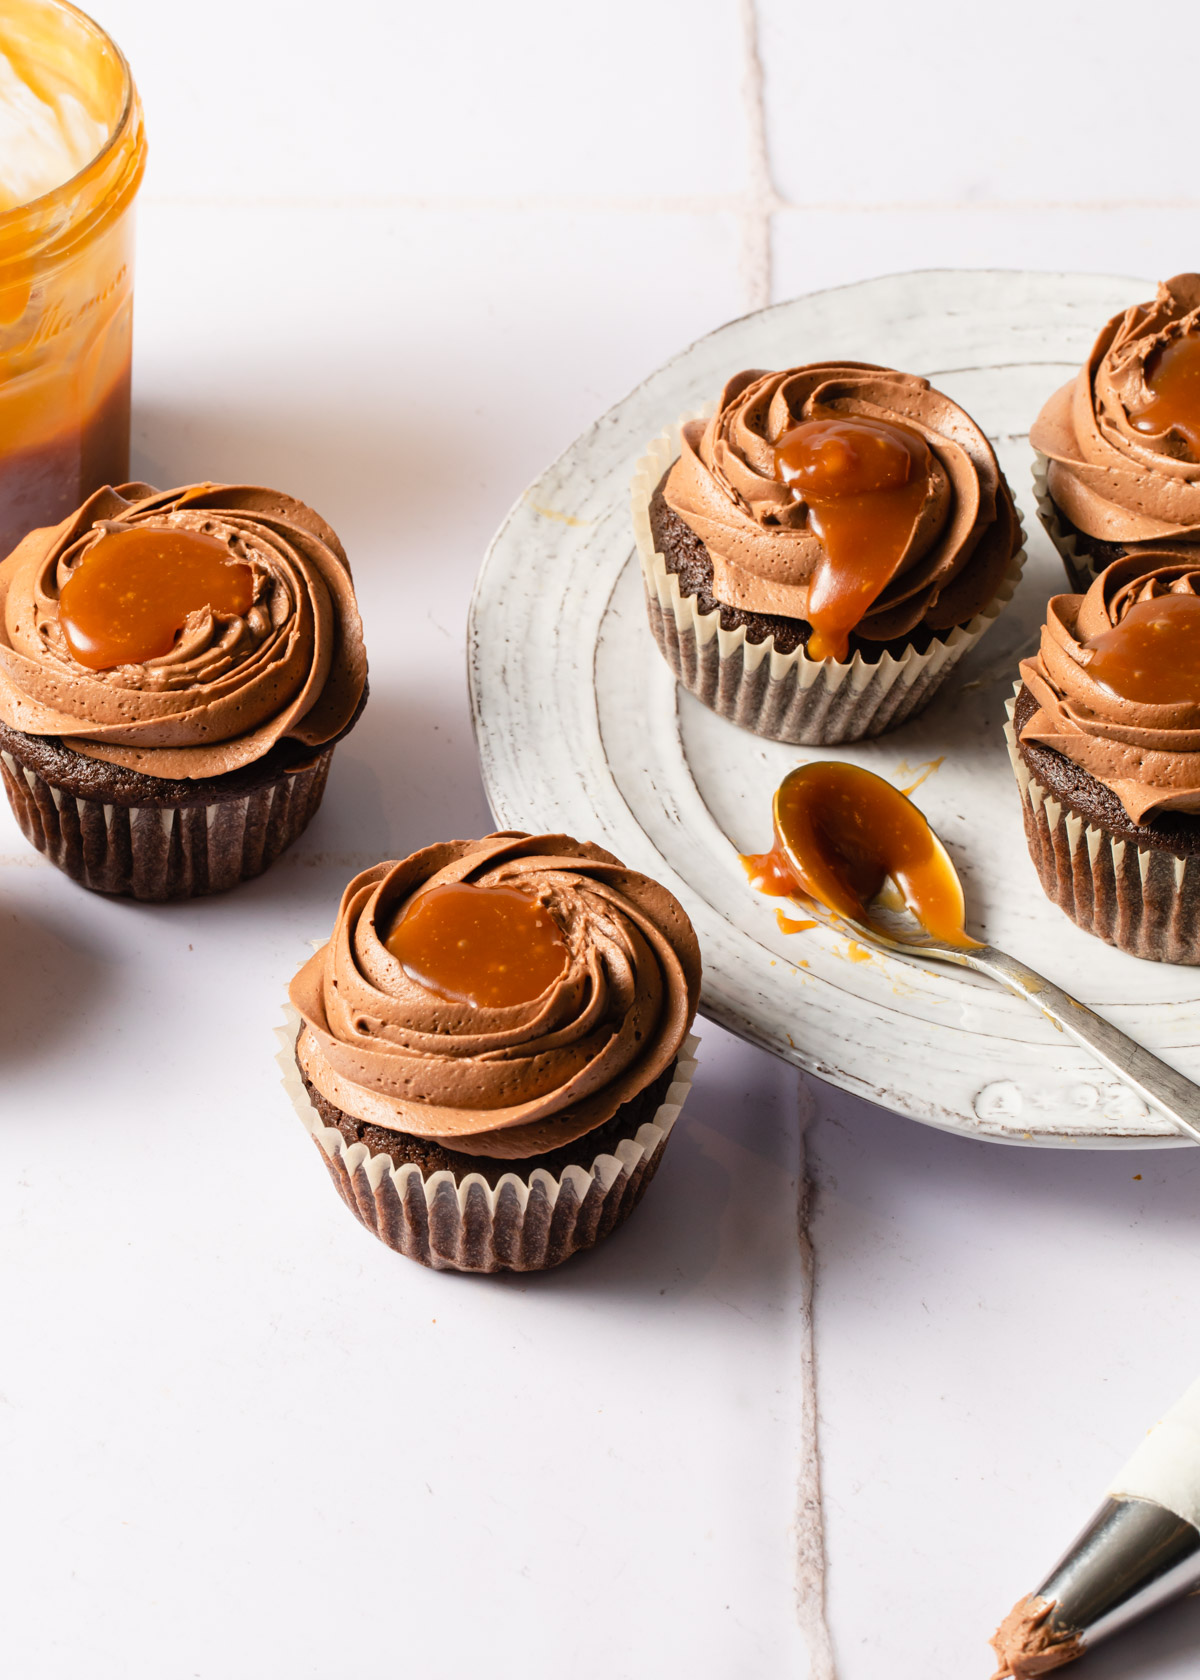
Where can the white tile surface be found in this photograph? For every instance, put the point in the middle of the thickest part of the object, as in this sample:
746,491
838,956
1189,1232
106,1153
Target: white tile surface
393,258
817,247
1062,103
379,99
408,377
254,1442
996,1330
242,1394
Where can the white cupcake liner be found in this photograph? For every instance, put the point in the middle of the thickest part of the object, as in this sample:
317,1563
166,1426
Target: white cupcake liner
523,1225
1143,899
156,853
787,696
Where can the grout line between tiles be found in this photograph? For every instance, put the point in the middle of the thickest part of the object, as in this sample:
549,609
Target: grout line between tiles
653,204
810,1516
761,198
914,206
679,204
762,202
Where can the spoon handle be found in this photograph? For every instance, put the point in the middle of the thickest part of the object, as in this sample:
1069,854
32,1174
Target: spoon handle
1169,1090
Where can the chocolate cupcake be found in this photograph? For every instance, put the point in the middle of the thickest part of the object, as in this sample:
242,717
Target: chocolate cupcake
493,1047
1118,449
820,552
1104,735
175,669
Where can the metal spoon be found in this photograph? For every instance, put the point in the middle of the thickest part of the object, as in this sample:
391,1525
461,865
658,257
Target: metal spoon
893,927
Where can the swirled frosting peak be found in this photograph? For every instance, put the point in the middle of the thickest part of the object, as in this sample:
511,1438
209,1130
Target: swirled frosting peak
758,531
501,1081
1147,753
1112,479
291,667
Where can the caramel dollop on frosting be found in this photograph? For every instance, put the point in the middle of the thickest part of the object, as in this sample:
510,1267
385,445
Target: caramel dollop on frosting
504,1082
1112,480
758,534
1148,755
292,667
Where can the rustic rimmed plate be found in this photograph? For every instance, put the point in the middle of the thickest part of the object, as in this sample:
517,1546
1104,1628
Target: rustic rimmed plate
581,728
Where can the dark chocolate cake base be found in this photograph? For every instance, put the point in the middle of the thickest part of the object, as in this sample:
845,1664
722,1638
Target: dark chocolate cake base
457,1223
1134,885
1079,790
155,838
402,1147
51,759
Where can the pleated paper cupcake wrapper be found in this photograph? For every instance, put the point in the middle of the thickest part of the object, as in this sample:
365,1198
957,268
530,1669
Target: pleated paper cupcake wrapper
787,696
1082,569
1144,900
525,1224
173,851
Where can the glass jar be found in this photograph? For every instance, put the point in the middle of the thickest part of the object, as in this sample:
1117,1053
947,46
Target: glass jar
66,267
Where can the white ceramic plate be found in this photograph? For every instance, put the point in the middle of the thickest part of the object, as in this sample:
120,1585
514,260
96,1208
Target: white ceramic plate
581,728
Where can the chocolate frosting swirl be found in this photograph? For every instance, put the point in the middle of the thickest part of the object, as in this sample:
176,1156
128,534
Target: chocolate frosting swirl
504,1082
1111,480
763,551
293,667
1149,755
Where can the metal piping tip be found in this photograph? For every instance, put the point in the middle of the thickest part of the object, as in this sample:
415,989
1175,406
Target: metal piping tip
1132,1557
1140,1549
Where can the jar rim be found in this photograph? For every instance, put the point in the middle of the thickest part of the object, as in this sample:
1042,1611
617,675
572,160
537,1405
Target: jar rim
34,209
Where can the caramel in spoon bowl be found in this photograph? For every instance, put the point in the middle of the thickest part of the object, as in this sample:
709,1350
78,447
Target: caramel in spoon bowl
854,848
860,856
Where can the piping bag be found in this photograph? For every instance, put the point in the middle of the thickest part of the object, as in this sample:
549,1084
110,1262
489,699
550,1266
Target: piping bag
1141,1549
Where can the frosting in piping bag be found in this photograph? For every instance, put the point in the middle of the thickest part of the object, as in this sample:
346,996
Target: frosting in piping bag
1111,479
292,667
758,534
505,1082
1147,754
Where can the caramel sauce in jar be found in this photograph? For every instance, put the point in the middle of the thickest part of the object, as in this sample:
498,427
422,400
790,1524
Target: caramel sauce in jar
1153,654
842,833
66,267
489,947
864,483
135,589
1173,380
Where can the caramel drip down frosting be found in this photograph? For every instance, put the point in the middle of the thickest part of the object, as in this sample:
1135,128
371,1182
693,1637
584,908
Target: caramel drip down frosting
758,533
292,667
1147,754
504,1082
1112,479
